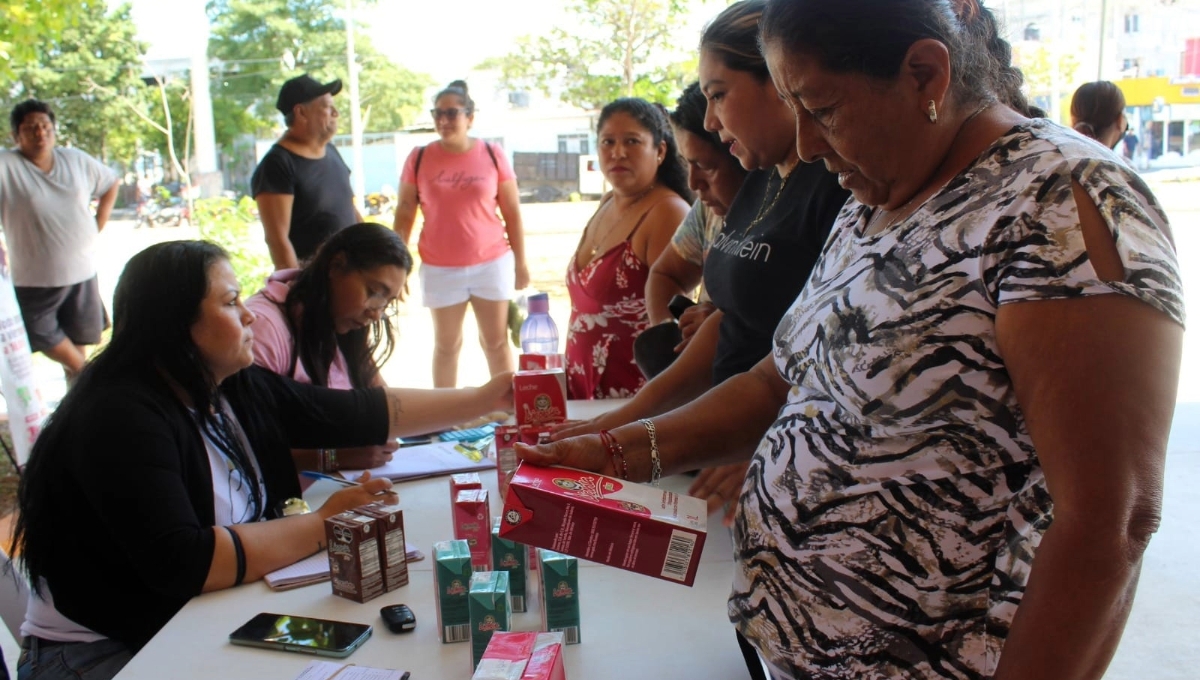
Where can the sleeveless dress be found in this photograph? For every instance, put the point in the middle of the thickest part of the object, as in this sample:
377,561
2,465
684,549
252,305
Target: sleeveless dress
608,311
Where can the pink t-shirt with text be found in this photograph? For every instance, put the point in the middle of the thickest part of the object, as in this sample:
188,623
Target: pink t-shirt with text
273,343
458,199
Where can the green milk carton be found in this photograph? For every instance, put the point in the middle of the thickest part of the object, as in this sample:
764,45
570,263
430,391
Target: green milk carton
489,609
512,558
560,594
451,583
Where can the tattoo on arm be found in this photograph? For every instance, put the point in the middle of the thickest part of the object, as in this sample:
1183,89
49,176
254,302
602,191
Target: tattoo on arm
395,409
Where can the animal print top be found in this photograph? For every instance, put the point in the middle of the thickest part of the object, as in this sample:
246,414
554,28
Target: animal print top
890,515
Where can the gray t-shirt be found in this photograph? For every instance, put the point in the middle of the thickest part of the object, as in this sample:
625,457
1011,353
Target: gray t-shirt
48,222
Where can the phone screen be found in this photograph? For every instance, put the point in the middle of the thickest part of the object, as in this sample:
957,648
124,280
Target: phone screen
301,633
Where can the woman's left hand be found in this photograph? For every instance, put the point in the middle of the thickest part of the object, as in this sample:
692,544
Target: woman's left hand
368,490
585,453
522,272
498,392
721,487
366,457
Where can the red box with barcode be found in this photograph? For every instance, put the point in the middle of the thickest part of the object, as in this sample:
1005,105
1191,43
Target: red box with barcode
636,527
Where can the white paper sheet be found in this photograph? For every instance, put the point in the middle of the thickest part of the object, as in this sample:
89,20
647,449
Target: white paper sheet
429,460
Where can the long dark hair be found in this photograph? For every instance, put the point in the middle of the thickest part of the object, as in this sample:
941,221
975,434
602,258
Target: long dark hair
872,37
156,302
688,116
733,37
653,118
1095,107
358,248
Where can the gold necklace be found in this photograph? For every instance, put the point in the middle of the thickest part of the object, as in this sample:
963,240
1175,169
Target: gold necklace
763,208
597,241
894,215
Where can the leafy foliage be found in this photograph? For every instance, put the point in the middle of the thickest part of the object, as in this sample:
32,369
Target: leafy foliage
229,223
262,43
618,48
24,26
89,71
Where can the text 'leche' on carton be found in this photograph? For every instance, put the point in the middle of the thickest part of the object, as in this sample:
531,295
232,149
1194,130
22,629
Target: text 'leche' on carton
489,608
560,594
451,583
522,656
392,557
636,527
540,397
473,524
511,557
355,568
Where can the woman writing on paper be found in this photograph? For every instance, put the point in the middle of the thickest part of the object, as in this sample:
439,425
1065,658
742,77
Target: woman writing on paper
151,482
330,324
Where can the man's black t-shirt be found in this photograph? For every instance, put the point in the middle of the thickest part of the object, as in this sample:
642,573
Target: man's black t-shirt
753,272
323,202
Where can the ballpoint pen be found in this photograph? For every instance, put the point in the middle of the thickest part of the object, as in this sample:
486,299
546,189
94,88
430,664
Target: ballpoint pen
320,475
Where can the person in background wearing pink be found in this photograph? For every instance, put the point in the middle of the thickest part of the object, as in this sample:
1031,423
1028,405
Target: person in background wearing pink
329,324
469,253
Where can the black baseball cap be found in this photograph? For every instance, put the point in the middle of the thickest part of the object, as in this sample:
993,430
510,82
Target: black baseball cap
303,89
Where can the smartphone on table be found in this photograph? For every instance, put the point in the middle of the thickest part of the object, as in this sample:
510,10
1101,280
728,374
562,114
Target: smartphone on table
302,634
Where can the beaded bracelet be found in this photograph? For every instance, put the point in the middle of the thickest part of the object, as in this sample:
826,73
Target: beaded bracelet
327,460
620,465
655,461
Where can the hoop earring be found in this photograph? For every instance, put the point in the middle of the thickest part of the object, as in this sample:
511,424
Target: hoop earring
932,112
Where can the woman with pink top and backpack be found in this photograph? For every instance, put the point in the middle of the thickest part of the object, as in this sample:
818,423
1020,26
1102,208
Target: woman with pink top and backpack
472,245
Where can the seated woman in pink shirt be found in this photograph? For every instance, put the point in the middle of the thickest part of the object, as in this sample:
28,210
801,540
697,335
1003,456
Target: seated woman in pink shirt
329,324
472,244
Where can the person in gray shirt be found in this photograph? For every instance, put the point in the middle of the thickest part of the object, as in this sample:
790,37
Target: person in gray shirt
45,198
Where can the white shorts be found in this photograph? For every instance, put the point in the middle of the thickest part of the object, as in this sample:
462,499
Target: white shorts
446,286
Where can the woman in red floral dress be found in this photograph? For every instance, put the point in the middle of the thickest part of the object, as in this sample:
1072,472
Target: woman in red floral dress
635,221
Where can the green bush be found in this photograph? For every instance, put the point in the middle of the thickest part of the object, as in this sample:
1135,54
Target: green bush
233,225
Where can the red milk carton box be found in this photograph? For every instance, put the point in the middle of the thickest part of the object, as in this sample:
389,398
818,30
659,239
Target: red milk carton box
463,481
539,362
354,566
636,527
522,656
473,524
506,455
391,543
540,396
546,661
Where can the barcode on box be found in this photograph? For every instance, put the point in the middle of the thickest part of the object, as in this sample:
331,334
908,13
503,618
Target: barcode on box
679,555
459,633
570,634
518,603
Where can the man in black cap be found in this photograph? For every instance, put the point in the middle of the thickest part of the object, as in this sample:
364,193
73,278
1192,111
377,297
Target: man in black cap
302,185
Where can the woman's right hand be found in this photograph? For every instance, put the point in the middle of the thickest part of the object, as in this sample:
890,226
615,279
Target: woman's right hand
366,457
368,490
585,453
575,428
690,321
497,393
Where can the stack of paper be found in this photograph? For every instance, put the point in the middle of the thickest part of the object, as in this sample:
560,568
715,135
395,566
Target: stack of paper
430,460
315,569
325,670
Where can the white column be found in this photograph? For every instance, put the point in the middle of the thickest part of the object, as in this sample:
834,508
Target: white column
355,111
206,171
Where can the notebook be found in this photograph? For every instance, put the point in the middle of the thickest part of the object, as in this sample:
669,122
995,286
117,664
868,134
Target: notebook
315,569
325,670
431,460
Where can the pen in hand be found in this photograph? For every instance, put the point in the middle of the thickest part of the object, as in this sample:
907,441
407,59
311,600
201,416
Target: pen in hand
320,475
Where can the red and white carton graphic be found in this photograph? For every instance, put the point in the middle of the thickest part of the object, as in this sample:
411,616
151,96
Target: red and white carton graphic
541,397
463,481
473,524
522,656
636,527
539,362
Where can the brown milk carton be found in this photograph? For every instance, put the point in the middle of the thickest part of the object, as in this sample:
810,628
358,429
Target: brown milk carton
391,543
512,558
354,566
451,583
636,527
473,524
463,481
506,454
489,609
540,397
539,362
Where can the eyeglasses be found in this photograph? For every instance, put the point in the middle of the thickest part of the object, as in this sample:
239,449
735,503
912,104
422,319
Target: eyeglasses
448,114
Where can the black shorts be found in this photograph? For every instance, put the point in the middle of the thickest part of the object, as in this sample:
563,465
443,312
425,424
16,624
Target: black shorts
54,314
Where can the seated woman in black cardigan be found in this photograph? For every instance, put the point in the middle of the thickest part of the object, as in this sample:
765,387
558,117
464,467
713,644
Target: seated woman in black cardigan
151,482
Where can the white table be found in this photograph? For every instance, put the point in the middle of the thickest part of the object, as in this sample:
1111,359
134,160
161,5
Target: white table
632,626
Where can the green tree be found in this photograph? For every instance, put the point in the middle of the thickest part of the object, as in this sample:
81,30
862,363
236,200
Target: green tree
89,72
24,26
617,48
262,43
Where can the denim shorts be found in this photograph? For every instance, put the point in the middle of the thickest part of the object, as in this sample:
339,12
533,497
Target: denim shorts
47,660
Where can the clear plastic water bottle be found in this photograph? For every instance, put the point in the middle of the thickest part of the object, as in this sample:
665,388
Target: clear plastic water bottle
539,335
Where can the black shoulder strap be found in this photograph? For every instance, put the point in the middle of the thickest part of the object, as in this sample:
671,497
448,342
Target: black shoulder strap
491,153
417,169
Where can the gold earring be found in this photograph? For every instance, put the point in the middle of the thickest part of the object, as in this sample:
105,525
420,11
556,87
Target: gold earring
932,112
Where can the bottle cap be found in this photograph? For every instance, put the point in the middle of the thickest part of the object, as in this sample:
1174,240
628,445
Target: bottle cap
538,303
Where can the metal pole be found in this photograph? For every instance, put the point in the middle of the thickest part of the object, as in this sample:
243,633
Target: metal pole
1103,31
355,111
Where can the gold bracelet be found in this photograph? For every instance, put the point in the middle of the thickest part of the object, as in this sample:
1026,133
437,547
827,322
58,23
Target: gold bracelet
655,461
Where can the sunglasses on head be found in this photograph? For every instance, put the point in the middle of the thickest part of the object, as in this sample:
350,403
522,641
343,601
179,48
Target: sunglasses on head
448,114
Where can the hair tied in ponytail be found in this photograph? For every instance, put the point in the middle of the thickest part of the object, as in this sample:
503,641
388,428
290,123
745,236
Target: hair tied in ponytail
967,11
